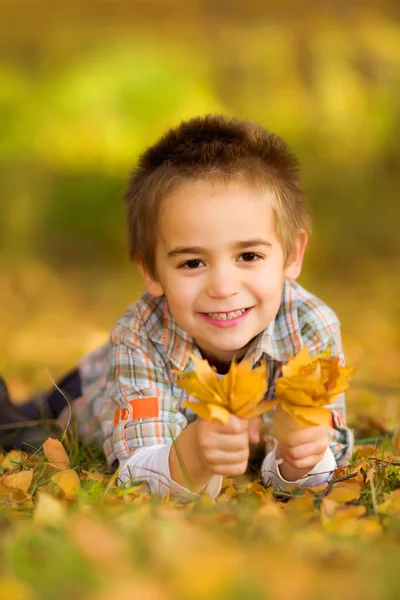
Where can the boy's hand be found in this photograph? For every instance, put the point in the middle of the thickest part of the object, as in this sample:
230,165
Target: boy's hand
301,448
224,449
208,449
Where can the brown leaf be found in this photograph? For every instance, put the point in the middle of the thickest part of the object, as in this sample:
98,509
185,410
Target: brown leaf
55,454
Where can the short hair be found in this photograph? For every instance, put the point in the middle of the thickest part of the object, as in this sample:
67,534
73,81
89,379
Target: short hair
213,148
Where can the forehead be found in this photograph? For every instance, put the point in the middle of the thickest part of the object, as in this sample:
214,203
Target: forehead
207,214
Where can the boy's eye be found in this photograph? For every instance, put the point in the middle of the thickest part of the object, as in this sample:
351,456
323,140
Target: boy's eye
249,256
192,264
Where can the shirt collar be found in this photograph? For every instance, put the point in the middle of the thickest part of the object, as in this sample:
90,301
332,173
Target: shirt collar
280,339
177,343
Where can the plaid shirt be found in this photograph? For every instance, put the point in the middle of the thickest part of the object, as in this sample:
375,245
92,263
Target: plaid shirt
130,394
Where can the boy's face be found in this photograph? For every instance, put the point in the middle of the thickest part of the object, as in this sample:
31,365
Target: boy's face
221,265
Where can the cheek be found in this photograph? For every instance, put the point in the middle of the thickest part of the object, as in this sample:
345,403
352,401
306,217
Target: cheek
182,291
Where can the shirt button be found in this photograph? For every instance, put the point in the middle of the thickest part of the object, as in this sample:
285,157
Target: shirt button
124,414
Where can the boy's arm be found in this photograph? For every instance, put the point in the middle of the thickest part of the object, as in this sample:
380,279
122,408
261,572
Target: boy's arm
340,436
147,434
186,467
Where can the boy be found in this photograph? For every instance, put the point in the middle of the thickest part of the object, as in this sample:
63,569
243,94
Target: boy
218,227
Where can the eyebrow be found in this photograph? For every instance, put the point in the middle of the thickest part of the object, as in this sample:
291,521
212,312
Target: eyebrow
179,250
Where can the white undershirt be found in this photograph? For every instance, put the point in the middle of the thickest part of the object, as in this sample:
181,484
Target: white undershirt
152,464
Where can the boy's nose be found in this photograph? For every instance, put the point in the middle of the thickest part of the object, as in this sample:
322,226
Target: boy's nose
222,286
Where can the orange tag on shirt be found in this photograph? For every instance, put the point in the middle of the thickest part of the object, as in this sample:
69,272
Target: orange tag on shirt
144,408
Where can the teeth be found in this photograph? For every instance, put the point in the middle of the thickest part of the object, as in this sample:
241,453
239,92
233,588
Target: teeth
225,316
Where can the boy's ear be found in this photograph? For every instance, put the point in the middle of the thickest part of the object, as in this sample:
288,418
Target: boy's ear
153,287
294,261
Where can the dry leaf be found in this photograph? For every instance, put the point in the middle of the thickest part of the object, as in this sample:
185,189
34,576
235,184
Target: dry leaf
345,491
69,482
98,543
55,454
391,504
309,383
20,481
15,589
239,392
13,459
48,510
14,497
93,475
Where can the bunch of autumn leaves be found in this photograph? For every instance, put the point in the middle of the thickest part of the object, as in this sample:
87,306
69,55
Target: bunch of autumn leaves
307,384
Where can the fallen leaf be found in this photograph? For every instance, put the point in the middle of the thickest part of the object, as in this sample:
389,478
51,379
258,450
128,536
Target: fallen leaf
98,543
93,475
137,587
20,481
14,497
69,482
48,510
391,503
55,454
345,491
13,459
257,488
14,589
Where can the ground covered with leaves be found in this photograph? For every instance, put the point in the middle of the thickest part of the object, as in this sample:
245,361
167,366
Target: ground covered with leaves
73,533
69,531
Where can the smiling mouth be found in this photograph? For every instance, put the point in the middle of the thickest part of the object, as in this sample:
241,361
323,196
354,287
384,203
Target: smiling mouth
226,316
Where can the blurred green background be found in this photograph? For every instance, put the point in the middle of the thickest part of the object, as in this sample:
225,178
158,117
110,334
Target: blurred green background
86,86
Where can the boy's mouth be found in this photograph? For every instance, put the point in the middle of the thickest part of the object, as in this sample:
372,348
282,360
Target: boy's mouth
226,316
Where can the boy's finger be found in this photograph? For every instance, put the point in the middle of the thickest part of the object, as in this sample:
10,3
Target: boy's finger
254,430
227,442
236,425
303,436
303,450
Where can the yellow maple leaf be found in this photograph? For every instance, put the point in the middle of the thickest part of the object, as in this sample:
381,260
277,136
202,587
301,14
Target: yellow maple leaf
309,383
239,392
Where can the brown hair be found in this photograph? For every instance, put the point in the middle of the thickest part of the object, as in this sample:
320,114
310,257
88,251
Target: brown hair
213,148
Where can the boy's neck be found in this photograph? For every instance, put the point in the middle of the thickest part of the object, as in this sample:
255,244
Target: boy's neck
222,366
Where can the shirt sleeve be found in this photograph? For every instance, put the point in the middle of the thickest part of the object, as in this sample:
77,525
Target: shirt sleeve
152,465
139,408
318,475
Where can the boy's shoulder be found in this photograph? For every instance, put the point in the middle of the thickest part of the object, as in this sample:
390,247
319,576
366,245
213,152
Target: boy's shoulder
304,319
309,307
143,320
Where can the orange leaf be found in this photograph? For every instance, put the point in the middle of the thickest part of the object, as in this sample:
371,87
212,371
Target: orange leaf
20,481
55,454
13,459
307,416
345,491
208,412
68,481
239,392
308,384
